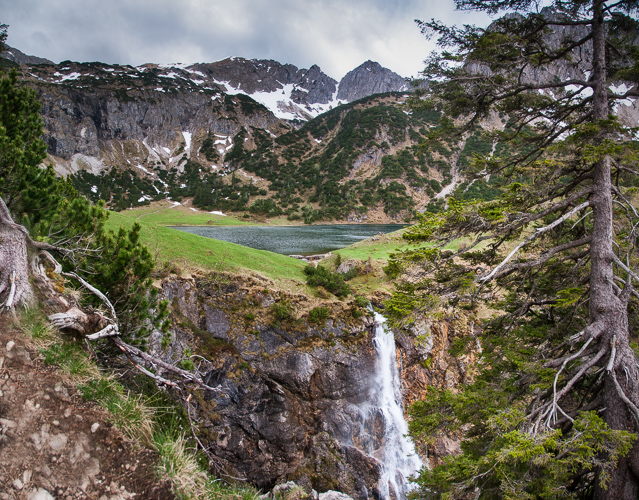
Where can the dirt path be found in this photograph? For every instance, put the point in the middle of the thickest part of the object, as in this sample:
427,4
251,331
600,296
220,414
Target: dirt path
55,445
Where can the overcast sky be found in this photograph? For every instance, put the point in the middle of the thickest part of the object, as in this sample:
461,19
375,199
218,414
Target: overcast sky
337,35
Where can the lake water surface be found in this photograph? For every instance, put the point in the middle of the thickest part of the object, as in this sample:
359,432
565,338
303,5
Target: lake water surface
293,240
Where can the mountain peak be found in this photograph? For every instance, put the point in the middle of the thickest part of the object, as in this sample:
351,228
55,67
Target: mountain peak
19,57
369,78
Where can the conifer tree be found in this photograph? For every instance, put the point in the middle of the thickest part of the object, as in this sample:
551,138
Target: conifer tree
39,211
554,409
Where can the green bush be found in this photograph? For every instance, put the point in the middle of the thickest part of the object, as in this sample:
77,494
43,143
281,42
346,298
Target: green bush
282,311
318,315
362,302
333,282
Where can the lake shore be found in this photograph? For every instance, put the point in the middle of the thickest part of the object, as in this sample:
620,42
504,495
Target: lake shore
170,213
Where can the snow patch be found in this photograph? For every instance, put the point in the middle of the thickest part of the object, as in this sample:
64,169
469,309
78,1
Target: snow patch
215,212
187,139
619,89
94,189
71,76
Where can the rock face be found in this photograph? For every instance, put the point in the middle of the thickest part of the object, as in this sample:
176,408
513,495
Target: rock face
77,122
289,392
19,57
310,86
286,388
368,79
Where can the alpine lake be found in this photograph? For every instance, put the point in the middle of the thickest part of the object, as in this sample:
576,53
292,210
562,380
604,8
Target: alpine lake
293,240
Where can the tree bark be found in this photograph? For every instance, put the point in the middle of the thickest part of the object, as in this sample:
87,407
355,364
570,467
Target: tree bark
15,286
605,306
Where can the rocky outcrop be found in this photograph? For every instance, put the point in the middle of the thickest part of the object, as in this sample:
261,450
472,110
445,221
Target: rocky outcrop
77,122
290,393
19,57
287,388
368,79
310,86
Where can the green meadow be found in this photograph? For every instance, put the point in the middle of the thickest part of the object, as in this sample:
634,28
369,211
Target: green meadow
189,251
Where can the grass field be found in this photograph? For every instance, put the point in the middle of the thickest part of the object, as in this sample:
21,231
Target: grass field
196,252
191,252
165,213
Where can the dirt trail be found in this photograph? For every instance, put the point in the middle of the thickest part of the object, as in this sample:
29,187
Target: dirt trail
54,445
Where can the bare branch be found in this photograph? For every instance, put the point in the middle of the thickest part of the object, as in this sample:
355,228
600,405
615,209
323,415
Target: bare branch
623,266
553,411
546,256
631,406
186,375
534,235
108,331
96,292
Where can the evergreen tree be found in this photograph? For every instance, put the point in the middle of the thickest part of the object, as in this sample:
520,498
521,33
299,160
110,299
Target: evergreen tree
56,218
554,409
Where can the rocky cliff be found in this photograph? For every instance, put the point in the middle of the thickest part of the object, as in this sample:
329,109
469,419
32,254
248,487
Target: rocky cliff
368,79
290,391
19,57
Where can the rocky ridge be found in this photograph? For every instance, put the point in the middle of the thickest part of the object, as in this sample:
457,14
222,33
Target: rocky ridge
368,79
19,57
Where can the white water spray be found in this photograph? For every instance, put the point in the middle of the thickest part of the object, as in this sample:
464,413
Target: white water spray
395,451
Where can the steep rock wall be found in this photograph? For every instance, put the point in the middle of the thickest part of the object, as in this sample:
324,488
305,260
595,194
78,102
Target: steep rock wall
287,408
99,124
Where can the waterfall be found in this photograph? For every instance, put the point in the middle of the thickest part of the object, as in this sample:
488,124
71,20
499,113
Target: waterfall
392,447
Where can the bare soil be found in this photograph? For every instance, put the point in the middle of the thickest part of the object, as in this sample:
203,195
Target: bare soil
53,444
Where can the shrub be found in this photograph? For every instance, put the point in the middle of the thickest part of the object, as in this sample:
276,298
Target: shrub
362,302
282,311
318,315
333,282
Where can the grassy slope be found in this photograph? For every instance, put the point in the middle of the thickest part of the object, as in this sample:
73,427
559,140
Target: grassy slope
190,250
164,213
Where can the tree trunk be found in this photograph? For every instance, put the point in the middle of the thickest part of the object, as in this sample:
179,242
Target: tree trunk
15,286
606,307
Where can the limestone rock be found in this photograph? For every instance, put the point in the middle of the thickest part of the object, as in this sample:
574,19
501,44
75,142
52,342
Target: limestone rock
334,495
367,79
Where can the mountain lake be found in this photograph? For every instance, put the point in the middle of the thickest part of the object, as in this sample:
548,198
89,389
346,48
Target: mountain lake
293,240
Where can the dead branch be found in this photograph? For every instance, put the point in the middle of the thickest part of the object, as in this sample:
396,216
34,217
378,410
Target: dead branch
535,234
96,292
631,406
185,375
108,331
542,411
545,257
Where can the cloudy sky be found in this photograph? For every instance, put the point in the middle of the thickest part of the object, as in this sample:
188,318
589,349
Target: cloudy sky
337,35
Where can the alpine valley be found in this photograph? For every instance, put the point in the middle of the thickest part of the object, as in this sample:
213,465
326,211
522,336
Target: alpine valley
283,377
243,135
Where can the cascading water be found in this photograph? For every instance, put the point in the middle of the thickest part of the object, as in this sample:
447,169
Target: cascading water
385,420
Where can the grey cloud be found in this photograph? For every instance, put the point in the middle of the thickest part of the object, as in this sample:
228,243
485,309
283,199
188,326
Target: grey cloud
337,35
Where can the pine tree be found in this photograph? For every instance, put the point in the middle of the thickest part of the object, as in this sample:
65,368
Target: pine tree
554,409
39,211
